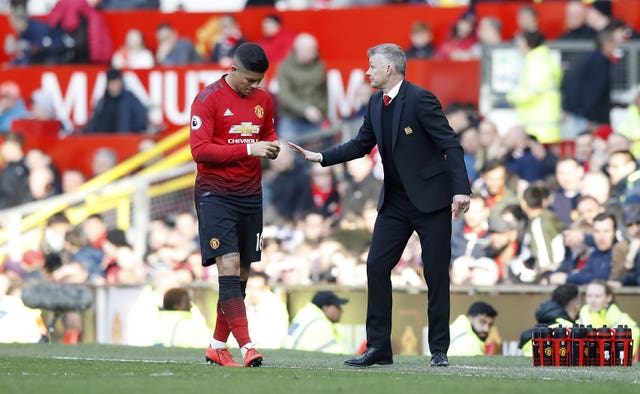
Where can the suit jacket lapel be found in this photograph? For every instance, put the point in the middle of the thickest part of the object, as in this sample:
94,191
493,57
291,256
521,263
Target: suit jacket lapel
397,111
376,117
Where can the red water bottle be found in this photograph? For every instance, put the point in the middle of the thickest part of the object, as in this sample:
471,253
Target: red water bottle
605,339
536,341
560,341
592,337
579,346
623,346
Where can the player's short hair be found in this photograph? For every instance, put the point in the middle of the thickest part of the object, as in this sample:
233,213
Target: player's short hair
251,57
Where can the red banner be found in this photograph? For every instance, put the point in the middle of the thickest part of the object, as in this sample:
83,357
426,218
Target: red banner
168,92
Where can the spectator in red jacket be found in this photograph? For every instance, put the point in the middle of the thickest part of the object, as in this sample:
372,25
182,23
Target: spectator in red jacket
87,27
276,39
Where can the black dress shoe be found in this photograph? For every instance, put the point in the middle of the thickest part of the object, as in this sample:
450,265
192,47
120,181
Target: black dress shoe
439,360
370,357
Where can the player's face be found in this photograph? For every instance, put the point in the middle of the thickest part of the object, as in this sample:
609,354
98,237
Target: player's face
244,81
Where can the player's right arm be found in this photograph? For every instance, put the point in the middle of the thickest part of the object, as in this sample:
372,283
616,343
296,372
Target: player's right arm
203,149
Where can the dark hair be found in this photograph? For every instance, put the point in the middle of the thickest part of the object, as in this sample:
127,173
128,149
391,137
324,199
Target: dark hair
604,216
607,289
533,38
164,25
14,137
626,153
259,274
252,57
176,299
607,34
491,165
535,195
274,18
481,308
584,197
563,294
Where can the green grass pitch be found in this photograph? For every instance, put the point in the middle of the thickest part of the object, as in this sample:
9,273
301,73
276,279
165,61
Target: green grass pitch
54,368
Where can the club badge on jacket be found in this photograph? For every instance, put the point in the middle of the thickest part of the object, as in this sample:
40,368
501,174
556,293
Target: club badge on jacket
408,130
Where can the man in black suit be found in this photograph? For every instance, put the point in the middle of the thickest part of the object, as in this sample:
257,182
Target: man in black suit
425,182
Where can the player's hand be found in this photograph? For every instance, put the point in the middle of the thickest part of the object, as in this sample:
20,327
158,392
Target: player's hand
460,204
316,157
267,149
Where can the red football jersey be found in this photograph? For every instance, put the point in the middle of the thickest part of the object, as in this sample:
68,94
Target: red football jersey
223,123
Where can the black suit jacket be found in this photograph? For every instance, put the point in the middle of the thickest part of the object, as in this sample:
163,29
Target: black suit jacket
426,151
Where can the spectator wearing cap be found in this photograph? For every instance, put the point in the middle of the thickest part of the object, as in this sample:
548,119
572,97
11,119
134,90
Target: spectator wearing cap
313,327
119,110
493,258
11,105
599,14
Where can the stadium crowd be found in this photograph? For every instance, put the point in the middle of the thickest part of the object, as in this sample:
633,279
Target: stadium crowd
538,215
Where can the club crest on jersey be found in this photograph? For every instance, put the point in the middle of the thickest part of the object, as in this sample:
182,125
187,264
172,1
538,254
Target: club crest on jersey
214,243
245,129
259,111
196,122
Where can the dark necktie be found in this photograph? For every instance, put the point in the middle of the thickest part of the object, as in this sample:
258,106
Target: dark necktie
386,99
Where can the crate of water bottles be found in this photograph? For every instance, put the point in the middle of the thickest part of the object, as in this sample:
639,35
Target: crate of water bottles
582,346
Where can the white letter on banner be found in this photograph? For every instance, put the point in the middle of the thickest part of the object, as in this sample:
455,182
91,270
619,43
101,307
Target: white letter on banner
74,99
171,111
341,104
156,116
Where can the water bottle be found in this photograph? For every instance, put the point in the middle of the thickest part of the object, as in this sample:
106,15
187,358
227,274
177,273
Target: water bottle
579,346
604,346
561,356
593,346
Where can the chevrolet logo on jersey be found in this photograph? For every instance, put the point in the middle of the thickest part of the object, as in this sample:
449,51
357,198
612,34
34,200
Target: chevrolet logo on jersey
245,129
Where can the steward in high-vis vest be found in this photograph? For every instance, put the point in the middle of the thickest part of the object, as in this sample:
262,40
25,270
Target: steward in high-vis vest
537,97
469,332
313,329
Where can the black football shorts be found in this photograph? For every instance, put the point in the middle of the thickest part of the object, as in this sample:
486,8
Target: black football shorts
224,229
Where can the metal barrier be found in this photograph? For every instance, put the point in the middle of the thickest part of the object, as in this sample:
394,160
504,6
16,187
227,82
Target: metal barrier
501,65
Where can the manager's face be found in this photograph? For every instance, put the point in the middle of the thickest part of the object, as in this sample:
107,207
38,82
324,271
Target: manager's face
378,71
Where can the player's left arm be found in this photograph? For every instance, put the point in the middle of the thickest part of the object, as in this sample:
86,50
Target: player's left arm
268,129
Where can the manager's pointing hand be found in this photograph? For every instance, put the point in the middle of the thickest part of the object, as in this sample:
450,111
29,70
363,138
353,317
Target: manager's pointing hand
307,154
